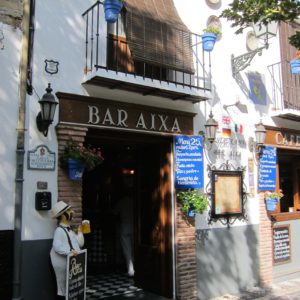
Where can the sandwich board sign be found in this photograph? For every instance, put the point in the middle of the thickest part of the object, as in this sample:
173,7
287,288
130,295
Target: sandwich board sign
76,276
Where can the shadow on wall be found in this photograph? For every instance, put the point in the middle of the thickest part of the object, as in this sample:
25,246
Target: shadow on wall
227,260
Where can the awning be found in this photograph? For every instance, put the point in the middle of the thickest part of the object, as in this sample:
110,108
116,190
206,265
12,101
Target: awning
156,34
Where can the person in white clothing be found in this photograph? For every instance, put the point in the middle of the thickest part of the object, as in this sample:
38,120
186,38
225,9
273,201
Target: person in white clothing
124,208
65,241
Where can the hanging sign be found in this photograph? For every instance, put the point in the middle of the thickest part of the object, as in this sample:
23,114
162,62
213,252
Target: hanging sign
267,169
188,162
76,276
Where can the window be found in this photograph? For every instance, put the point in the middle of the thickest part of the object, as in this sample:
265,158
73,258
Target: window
289,180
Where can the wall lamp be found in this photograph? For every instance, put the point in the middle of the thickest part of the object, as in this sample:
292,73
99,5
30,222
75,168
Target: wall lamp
260,138
210,128
46,115
239,105
263,32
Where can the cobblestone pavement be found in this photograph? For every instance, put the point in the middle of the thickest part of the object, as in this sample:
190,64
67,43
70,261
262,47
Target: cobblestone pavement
287,290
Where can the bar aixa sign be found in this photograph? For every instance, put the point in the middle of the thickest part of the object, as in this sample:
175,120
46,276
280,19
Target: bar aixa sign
96,112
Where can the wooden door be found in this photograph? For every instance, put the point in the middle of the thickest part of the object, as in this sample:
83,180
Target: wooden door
296,184
153,235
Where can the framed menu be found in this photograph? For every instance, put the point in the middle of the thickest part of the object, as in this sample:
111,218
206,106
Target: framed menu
227,191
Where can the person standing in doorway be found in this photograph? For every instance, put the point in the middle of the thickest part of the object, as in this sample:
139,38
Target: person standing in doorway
124,208
65,241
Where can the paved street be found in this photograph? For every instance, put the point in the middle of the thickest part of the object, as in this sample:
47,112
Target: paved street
288,290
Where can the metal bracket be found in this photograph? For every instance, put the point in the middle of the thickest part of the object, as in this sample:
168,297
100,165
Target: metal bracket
241,62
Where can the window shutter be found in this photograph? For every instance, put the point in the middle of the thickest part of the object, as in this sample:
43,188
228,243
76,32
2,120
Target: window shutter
291,83
156,34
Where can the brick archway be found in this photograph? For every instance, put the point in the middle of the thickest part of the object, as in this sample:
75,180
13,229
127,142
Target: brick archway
186,263
70,191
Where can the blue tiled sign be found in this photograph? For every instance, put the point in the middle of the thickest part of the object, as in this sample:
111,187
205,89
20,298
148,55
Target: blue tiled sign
267,169
188,162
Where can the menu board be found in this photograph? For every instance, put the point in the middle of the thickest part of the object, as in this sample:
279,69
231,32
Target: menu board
76,276
281,244
267,169
188,162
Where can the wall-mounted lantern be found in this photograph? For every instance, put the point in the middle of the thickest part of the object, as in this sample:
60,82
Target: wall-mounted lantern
46,115
210,128
263,32
260,138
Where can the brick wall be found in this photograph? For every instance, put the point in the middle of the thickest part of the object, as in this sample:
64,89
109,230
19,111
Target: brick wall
265,245
186,269
70,191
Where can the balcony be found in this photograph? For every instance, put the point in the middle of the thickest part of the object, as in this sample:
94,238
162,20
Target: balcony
183,74
285,91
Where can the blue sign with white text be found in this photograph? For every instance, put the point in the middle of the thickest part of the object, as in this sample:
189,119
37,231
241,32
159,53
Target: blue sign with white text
267,169
188,162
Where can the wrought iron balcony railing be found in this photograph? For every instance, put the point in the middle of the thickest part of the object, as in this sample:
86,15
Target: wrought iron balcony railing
107,48
285,87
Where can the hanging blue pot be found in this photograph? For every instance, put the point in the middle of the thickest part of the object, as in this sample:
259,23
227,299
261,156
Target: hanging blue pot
208,41
271,204
112,8
76,168
295,66
191,212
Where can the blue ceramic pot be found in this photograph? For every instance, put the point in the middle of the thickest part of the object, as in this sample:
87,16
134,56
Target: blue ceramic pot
191,212
295,66
76,169
208,41
112,8
271,204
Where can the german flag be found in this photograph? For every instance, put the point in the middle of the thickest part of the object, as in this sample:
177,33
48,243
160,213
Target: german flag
226,131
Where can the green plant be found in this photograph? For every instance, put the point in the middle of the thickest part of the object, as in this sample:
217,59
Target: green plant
90,156
192,200
212,29
274,195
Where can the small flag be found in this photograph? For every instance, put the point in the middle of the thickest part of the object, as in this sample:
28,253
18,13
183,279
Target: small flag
226,131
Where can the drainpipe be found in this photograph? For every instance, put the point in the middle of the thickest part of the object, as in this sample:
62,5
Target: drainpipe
25,70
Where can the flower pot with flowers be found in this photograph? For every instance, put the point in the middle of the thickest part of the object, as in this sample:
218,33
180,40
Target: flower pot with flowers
192,202
272,199
295,64
209,38
77,157
112,9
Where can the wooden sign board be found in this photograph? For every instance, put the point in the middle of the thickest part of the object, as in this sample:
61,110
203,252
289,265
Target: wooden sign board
76,276
281,244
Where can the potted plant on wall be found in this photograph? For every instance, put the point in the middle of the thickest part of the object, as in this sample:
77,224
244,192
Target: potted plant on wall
77,157
112,9
272,199
295,64
192,202
209,38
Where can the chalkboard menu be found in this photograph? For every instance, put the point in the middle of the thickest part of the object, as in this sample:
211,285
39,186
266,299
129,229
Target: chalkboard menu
76,276
188,162
281,244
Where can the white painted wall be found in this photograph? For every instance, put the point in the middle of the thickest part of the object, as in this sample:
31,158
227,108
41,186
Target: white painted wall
60,35
9,97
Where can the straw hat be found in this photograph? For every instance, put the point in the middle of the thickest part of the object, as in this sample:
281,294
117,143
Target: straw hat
59,208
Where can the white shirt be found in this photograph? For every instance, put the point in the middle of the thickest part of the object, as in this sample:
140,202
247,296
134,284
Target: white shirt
60,249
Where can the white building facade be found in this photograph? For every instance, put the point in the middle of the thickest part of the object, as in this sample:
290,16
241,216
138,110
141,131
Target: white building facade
130,88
